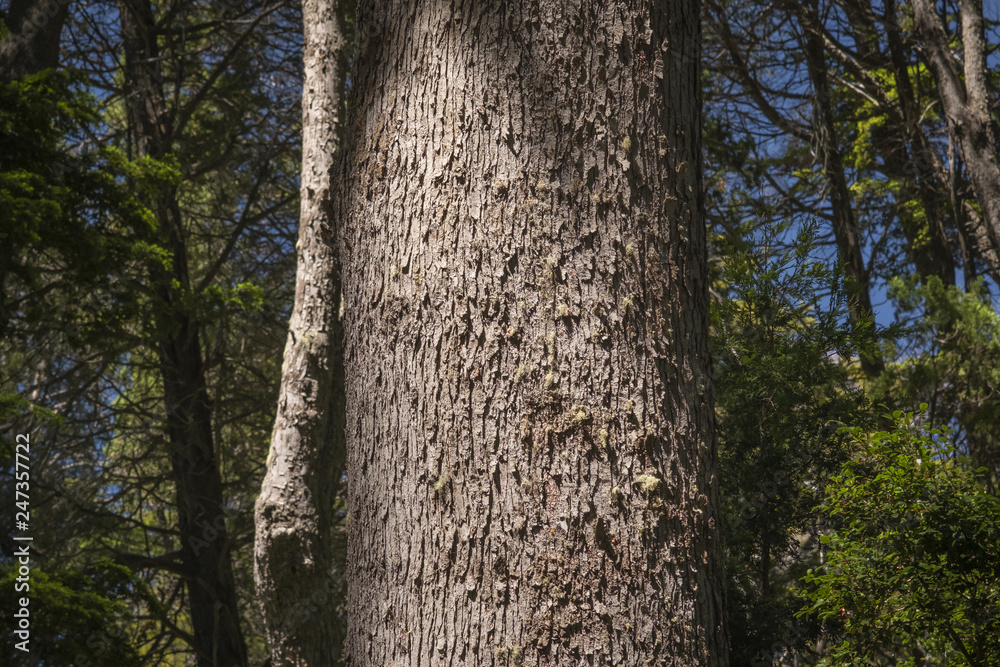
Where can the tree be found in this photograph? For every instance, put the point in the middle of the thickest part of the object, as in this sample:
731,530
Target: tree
529,404
207,564
293,553
875,133
803,54
966,102
201,93
845,227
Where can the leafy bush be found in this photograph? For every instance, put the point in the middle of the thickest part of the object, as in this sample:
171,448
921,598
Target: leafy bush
914,556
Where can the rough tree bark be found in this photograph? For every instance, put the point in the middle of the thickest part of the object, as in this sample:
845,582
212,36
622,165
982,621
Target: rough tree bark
216,635
529,404
33,42
293,556
966,103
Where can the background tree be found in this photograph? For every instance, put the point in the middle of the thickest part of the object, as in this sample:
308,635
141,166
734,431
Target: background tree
175,340
966,100
31,42
205,563
786,85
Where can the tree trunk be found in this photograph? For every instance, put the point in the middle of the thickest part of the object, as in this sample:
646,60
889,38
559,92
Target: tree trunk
33,43
928,241
217,639
901,143
965,101
845,228
529,407
293,556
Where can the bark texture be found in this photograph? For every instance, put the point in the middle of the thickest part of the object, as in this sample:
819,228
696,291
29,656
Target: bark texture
33,42
965,97
293,556
207,564
529,407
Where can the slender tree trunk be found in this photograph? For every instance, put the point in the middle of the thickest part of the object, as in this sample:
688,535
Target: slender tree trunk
845,228
33,42
293,556
217,639
529,407
928,242
966,103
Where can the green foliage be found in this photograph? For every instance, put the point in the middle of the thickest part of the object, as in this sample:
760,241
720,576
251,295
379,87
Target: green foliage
71,225
952,363
78,615
783,375
908,196
104,257
914,556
